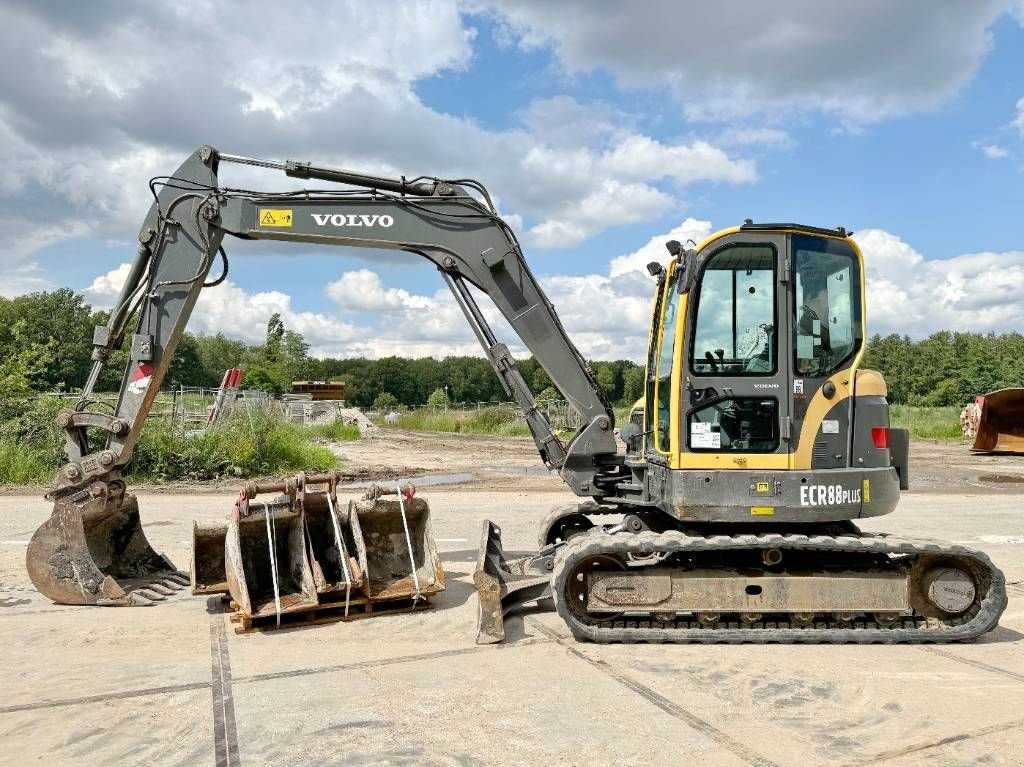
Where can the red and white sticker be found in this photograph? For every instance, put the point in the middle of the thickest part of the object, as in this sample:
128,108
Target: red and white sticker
140,378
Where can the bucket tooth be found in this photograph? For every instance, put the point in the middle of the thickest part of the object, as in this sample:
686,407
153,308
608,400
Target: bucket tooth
503,585
207,574
82,551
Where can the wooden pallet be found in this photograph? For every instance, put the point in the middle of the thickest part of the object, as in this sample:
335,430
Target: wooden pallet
359,608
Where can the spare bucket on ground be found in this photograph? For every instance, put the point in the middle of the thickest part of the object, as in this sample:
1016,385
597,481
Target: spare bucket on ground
302,551
265,560
208,575
397,550
1000,424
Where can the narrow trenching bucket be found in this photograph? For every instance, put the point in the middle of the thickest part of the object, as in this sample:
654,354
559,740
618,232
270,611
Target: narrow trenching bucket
1000,426
395,545
93,551
332,547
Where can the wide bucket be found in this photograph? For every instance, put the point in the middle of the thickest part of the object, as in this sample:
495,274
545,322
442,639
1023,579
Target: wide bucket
396,548
1001,424
94,552
266,565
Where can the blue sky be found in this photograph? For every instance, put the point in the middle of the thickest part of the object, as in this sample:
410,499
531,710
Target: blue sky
599,131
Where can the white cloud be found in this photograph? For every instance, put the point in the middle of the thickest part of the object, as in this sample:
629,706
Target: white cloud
862,61
1018,120
691,229
770,138
612,204
97,110
907,294
241,314
363,290
993,151
27,278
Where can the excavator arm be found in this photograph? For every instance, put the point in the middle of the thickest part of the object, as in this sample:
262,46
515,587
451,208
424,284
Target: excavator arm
179,244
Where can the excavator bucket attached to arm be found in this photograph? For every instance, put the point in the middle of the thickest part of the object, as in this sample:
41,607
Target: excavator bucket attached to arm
94,552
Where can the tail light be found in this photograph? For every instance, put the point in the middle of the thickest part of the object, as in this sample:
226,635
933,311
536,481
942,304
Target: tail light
880,436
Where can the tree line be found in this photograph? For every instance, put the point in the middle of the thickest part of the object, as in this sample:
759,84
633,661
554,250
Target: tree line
46,345
48,336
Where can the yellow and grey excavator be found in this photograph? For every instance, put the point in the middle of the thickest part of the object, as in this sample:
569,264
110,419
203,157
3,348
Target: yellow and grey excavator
731,513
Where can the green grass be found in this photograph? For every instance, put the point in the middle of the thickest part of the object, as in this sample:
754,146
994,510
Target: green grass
498,421
253,443
927,422
336,432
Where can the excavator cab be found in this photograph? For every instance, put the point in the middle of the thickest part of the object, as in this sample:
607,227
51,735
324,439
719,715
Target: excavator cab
754,370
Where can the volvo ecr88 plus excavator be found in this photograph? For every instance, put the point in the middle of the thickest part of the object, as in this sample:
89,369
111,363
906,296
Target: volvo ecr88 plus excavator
730,516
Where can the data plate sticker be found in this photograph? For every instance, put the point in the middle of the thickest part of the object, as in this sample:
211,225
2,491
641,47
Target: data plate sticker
701,436
829,427
798,386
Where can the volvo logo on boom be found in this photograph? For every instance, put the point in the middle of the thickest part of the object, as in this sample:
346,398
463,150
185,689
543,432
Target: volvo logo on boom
353,219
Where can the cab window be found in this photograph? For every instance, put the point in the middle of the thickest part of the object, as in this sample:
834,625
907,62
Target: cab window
735,329
827,332
735,425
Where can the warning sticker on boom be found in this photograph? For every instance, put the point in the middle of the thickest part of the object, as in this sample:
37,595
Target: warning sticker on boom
275,217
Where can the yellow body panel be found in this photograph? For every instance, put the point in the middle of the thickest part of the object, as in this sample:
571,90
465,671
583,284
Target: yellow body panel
869,383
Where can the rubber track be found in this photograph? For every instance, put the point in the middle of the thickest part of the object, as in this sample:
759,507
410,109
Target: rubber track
985,616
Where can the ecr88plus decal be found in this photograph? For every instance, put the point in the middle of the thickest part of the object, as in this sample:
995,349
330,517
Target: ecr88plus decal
828,495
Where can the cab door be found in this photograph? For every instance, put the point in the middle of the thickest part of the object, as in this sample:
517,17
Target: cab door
735,403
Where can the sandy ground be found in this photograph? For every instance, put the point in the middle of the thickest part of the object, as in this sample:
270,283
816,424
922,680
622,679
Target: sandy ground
174,685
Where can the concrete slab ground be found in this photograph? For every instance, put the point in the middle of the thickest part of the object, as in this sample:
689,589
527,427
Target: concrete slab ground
174,684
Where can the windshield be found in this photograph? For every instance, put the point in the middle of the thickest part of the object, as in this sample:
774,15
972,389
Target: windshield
735,331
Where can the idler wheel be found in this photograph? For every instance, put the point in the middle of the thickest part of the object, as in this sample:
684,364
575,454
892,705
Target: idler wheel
950,589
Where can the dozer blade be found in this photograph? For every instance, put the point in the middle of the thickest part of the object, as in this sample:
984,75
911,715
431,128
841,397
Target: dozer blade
94,552
1000,428
208,574
503,585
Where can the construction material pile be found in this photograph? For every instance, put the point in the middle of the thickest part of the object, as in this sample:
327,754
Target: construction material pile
301,558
